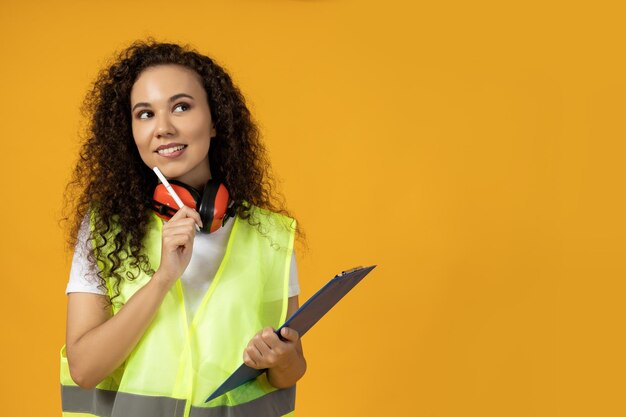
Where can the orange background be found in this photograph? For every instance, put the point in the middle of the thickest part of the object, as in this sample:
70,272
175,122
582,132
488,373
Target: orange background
472,149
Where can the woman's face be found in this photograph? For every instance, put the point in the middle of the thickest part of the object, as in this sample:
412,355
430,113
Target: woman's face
172,123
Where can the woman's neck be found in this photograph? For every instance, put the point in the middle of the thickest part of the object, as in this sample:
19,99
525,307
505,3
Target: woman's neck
197,177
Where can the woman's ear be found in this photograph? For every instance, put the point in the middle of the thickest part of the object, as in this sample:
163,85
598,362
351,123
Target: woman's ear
213,132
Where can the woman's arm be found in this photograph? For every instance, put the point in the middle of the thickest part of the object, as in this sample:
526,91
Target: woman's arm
284,360
97,342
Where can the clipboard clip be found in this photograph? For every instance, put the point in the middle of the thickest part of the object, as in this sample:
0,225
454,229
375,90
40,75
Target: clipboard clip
349,271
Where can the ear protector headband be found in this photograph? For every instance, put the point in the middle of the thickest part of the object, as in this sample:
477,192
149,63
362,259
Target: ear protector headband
213,204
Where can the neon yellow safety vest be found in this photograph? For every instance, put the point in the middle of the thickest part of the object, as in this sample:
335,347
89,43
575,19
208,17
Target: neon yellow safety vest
176,365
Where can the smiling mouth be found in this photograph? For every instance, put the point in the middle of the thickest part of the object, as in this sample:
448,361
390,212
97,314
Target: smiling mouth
168,151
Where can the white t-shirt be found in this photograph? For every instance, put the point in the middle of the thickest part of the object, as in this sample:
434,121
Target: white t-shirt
208,251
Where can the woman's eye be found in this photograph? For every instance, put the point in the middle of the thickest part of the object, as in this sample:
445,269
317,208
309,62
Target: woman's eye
143,115
181,107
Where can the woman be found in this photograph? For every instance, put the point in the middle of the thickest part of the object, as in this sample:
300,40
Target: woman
158,314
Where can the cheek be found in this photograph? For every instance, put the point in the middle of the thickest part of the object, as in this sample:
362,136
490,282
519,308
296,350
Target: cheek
144,152
202,127
140,138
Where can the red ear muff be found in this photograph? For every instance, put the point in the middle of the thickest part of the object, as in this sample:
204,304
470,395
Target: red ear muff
165,206
213,205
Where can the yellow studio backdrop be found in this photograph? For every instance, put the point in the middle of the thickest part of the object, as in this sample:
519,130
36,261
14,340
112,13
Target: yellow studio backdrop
472,149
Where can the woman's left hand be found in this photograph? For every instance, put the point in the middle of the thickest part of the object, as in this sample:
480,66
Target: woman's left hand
266,350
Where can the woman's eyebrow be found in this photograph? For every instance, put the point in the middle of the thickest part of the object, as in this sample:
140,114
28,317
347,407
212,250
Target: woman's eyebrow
177,96
171,99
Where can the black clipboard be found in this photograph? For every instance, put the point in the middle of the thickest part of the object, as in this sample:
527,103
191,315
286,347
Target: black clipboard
302,320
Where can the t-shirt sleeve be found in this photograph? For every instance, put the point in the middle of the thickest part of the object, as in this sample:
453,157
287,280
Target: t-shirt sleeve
294,287
83,275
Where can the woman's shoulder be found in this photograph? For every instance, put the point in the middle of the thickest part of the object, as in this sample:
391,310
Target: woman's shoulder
270,218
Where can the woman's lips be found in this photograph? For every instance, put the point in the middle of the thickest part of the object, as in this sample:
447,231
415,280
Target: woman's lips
171,151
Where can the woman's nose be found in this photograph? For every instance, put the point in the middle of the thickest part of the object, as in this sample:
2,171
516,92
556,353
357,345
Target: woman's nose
164,127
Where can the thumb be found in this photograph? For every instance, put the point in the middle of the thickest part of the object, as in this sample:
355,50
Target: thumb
289,334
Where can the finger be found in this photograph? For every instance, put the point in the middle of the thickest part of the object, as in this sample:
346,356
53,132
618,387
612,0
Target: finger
185,225
255,355
270,338
194,215
248,360
188,237
261,346
184,212
172,243
289,334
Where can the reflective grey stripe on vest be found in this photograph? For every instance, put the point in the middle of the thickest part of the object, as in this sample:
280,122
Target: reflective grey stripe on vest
105,403
275,404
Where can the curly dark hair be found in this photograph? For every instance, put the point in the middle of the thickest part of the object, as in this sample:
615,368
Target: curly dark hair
111,180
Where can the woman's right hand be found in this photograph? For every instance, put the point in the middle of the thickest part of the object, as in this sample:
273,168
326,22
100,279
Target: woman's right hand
177,245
